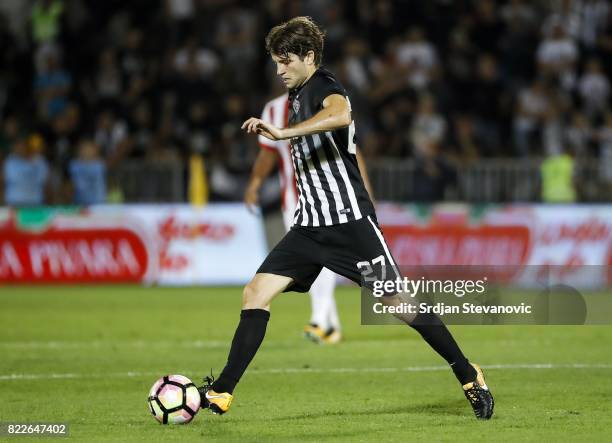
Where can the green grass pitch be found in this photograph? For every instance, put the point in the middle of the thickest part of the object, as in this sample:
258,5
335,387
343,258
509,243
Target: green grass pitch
88,356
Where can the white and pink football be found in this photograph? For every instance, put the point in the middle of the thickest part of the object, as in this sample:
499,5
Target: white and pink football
174,399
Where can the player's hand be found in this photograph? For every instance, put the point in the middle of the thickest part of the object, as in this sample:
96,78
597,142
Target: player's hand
251,199
258,126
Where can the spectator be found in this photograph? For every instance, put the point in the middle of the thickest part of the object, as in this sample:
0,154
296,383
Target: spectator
487,27
195,68
487,97
171,69
26,173
532,106
381,22
336,31
557,56
428,127
552,132
594,89
132,54
52,87
108,82
238,152
8,61
196,129
46,20
603,48
357,65
65,131
604,136
517,53
88,174
182,16
558,178
142,129
562,16
418,57
592,16
459,66
519,12
434,178
192,57
112,137
466,144
578,135
236,38
9,132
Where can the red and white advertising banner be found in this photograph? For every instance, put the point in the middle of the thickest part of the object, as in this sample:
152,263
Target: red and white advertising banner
75,248
573,243
219,244
225,244
163,244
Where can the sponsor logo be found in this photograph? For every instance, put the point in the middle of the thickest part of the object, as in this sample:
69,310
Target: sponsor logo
459,245
72,255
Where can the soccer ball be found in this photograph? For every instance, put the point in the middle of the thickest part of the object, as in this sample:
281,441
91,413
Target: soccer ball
174,399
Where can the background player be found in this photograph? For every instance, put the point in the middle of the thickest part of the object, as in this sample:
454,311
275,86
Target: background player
335,224
324,326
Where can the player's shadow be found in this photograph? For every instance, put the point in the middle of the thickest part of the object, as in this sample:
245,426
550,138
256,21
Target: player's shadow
453,408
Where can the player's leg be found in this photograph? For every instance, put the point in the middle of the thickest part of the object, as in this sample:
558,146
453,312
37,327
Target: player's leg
324,324
256,299
371,254
287,266
333,318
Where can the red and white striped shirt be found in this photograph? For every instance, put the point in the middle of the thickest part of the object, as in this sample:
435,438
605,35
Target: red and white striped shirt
276,112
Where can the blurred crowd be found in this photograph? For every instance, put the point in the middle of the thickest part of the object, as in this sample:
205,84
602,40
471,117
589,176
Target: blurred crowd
86,84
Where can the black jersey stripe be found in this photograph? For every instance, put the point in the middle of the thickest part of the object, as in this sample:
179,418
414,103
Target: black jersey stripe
352,195
317,194
328,203
308,201
326,162
305,218
332,162
300,217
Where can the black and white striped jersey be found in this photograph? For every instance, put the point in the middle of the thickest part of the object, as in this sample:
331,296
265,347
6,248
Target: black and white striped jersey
330,188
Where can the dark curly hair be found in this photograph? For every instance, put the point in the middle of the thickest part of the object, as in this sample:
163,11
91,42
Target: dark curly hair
298,36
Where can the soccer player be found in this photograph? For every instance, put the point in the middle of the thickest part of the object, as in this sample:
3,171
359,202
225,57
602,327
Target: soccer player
335,223
324,326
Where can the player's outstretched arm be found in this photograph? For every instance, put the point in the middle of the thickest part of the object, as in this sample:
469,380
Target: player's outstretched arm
264,165
334,115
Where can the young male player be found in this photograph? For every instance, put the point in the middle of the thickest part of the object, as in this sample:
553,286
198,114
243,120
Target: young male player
335,224
324,326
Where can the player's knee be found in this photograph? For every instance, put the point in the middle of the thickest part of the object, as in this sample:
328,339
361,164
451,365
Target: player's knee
249,293
253,297
407,316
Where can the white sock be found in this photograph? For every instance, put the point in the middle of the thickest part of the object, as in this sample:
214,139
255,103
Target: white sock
324,312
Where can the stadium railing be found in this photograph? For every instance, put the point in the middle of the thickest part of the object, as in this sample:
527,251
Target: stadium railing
145,182
487,180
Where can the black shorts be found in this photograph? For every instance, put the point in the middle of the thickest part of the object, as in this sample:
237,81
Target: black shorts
355,250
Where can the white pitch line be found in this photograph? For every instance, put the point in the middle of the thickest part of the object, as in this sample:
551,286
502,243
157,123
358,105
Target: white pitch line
133,374
188,344
208,344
